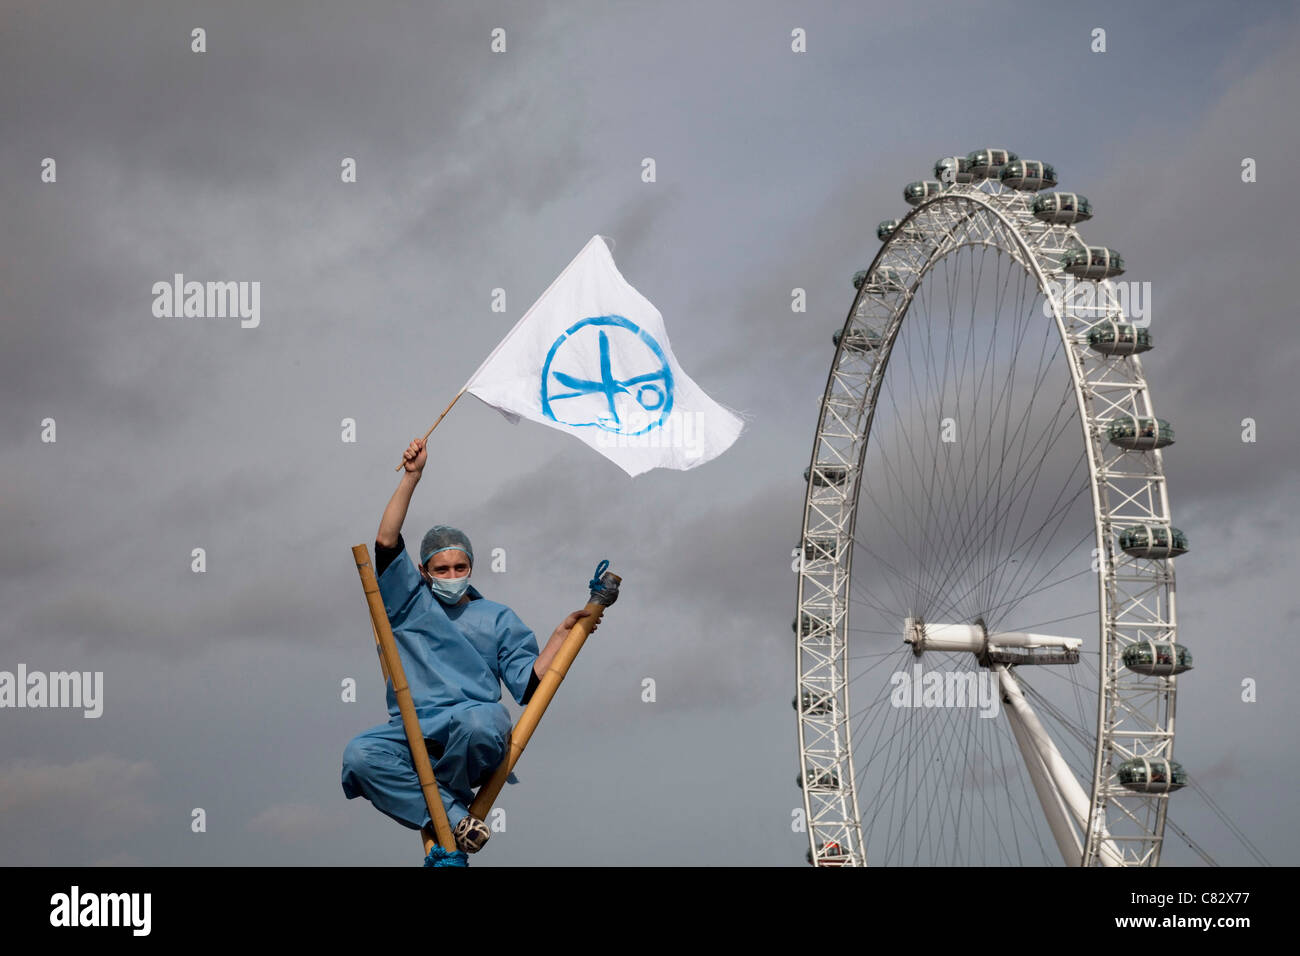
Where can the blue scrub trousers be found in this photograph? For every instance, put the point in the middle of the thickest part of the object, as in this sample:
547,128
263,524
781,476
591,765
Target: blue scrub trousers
471,738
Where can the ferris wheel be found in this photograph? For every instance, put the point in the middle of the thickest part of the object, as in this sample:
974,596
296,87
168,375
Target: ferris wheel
987,650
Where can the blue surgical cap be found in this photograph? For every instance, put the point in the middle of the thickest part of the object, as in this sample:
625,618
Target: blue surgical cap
444,538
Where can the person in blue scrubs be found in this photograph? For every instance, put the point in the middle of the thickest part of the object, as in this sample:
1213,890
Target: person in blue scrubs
457,648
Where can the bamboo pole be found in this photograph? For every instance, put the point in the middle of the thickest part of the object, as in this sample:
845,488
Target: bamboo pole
541,699
414,736
383,664
427,836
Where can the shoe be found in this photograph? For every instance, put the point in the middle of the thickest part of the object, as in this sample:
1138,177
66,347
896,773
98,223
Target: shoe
471,833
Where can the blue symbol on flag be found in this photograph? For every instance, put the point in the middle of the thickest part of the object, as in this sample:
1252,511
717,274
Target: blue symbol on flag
576,393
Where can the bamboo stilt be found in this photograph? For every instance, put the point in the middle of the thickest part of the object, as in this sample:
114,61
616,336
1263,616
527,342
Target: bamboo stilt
414,735
427,836
383,664
541,699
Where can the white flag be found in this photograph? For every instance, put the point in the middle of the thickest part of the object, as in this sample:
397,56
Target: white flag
591,358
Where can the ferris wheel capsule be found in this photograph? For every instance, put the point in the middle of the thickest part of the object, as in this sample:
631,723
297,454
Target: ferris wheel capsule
828,854
812,624
1153,541
820,549
988,163
859,340
813,703
890,226
1028,175
1151,775
827,475
1062,208
1119,338
1157,658
918,192
826,780
884,279
953,169
1140,434
1093,262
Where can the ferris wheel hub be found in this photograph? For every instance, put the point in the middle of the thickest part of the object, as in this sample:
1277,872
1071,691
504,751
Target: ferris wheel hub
976,639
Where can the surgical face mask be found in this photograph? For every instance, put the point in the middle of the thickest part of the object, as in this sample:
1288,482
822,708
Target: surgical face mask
449,590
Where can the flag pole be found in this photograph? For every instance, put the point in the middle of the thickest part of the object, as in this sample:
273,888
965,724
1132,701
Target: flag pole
400,464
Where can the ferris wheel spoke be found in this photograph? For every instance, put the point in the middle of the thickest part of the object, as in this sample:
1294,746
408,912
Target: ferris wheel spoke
1057,620
941,728
936,491
986,605
973,506
926,481
1008,756
988,610
857,540
898,602
954,783
1008,604
954,482
1005,401
1001,401
923,534
944,762
863,630
1029,485
1036,588
1026,480
884,694
1075,734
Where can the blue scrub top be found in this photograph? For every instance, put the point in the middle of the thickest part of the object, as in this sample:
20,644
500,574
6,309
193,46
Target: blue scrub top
453,654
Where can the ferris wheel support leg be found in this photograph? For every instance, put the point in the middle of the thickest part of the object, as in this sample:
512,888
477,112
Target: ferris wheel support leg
1063,778
1058,815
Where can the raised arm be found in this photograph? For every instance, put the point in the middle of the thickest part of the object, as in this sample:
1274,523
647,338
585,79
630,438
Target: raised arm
390,526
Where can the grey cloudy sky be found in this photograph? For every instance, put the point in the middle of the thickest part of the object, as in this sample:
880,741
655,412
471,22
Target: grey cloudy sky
481,170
